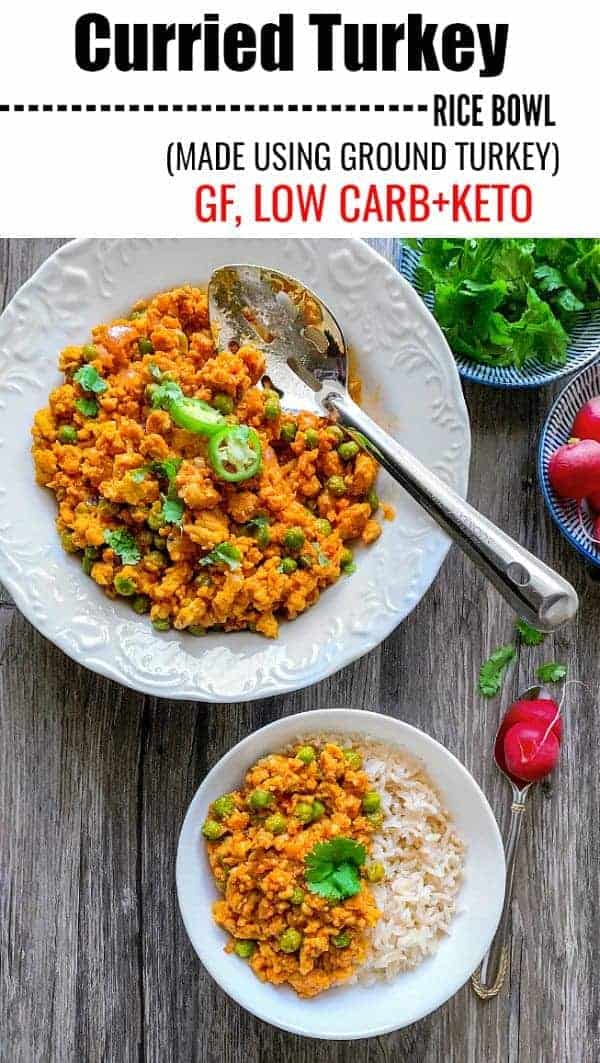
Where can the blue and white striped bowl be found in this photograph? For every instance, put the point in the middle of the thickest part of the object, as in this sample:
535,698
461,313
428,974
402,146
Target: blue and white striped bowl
557,430
584,345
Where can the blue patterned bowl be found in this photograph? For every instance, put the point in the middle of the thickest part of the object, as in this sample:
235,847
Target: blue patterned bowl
556,431
584,345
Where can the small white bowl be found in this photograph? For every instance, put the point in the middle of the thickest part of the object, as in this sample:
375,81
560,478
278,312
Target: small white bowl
350,1012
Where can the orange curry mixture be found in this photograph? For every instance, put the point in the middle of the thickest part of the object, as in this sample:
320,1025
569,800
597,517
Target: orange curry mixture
287,933
141,505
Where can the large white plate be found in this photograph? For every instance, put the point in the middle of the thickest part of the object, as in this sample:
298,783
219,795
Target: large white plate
411,385
355,1011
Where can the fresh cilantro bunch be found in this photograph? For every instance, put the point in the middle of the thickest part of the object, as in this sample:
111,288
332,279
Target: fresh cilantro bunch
503,302
331,868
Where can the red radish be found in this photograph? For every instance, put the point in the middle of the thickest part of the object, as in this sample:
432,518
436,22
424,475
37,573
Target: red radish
542,710
574,469
531,750
587,423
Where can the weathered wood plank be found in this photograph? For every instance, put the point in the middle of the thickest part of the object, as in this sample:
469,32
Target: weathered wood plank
94,782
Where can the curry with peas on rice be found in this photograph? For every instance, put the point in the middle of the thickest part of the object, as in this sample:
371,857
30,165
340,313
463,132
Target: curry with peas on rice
336,861
185,488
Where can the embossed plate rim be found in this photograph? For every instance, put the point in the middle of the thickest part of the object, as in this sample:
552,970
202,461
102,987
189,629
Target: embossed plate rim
86,281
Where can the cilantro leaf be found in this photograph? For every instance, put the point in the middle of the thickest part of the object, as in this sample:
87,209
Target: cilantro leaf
139,475
257,522
168,469
124,545
322,558
223,554
331,868
173,509
87,407
165,394
492,671
88,378
530,636
551,672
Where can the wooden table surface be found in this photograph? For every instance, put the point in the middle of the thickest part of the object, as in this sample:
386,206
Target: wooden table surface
94,781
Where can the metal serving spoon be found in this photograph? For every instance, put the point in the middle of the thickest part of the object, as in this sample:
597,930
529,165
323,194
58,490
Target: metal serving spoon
307,363
494,968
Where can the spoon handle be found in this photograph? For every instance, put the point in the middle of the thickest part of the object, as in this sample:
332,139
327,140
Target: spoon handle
535,591
494,967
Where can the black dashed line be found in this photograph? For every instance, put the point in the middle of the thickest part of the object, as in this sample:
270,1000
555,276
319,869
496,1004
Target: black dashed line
220,108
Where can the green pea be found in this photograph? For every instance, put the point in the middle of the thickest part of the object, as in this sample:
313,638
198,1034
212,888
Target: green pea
66,539
353,759
196,631
90,555
67,434
318,810
371,801
161,623
260,532
290,940
349,450
311,438
155,519
303,811
293,539
341,941
141,604
306,754
297,895
335,433
260,799
323,526
183,342
373,499
288,431
375,818
145,539
212,830
223,403
375,873
347,561
288,565
125,587
272,410
244,949
145,346
223,806
89,352
156,558
336,486
108,507
276,823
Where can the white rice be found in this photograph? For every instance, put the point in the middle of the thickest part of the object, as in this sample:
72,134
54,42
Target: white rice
422,856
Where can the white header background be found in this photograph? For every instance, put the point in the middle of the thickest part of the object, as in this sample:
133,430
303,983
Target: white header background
104,174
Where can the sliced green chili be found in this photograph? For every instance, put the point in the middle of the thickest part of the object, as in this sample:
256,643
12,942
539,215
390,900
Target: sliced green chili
195,416
235,453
